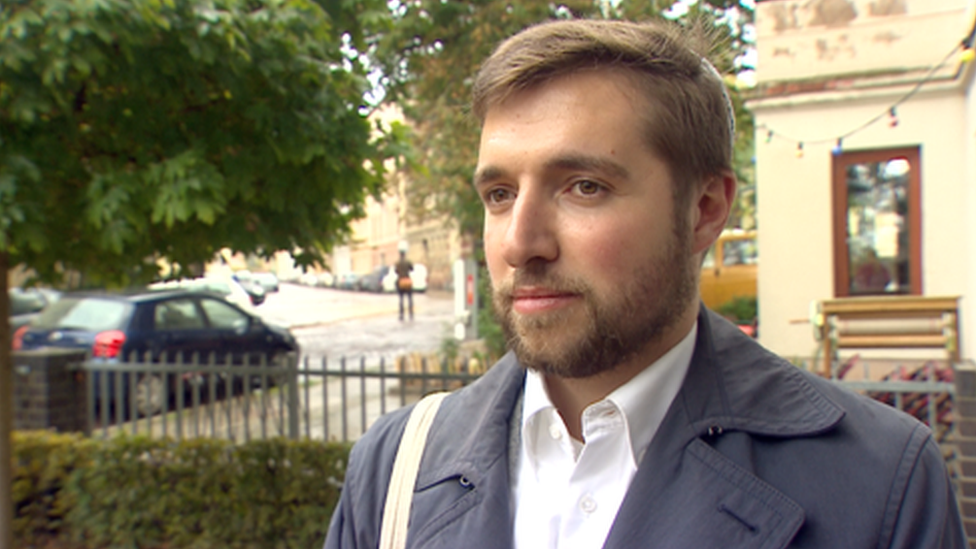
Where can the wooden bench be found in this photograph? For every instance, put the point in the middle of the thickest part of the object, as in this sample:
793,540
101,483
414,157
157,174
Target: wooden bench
888,322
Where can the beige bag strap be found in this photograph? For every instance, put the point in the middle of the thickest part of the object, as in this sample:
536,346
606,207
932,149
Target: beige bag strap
399,494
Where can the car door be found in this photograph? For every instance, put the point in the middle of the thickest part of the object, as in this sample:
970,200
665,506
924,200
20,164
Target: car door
180,329
240,334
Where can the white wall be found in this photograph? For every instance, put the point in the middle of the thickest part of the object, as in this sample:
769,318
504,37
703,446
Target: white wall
802,39
795,213
825,68
968,237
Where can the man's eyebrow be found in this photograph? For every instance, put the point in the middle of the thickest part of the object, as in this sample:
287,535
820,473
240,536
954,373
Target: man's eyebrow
487,175
569,162
587,163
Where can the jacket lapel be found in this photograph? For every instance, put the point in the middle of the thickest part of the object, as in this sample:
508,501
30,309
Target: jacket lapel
464,486
688,494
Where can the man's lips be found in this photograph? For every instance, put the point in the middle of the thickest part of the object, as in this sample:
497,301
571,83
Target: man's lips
540,300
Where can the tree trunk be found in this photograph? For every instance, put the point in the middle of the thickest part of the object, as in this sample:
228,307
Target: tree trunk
6,412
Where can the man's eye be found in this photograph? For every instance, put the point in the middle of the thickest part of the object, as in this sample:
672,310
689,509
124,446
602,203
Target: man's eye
587,188
497,196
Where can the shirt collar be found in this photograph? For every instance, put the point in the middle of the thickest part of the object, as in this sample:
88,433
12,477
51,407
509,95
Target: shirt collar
644,399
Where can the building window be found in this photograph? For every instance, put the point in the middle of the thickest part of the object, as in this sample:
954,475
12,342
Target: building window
877,223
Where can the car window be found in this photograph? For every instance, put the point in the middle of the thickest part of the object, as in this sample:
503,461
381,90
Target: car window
85,313
178,314
740,252
223,316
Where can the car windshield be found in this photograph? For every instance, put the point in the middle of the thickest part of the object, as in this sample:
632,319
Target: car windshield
84,313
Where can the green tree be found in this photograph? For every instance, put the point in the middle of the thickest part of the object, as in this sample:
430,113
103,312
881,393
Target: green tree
138,130
429,58
430,55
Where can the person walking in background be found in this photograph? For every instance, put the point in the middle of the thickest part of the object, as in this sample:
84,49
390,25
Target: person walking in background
404,283
628,415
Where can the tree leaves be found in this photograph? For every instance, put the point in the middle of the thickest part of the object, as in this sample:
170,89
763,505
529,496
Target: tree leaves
138,129
432,53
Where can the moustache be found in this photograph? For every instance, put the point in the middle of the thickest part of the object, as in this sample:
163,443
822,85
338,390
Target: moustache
522,278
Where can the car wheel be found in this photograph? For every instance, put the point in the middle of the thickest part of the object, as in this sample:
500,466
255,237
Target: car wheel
149,394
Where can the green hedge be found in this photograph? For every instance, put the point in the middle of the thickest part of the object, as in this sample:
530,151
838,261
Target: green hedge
133,492
740,309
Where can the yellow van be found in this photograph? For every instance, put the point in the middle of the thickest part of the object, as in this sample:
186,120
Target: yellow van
730,268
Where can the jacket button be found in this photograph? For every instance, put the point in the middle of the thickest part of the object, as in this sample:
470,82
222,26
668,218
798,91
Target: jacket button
464,482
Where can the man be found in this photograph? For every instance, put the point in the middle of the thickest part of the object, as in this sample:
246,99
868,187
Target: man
628,415
404,283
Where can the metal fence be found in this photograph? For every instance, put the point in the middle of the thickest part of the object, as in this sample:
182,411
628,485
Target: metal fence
338,400
921,388
308,398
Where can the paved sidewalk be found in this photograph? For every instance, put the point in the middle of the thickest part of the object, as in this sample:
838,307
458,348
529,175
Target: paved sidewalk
296,306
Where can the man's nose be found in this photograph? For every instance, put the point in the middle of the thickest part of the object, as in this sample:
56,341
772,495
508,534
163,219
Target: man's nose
530,233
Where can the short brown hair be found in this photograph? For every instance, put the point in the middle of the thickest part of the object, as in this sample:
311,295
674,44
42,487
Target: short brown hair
690,123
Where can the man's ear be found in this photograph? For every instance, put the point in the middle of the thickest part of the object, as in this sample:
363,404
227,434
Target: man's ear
711,207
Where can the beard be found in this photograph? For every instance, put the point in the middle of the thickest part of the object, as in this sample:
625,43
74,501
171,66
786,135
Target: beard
607,329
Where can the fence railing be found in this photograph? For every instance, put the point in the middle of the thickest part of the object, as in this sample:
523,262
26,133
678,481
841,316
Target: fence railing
357,393
195,398
338,400
923,389
311,398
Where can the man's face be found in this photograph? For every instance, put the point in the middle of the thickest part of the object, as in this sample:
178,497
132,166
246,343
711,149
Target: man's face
591,263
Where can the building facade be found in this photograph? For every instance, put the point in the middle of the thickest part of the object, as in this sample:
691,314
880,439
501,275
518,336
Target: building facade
865,158
378,237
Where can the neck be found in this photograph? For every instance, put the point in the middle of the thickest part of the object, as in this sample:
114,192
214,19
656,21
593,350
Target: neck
571,396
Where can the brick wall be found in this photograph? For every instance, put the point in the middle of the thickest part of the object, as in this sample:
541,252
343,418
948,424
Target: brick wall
49,390
965,437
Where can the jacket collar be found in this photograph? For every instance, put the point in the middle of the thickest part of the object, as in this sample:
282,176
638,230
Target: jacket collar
749,389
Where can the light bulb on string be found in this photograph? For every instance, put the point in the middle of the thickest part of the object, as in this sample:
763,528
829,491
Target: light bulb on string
892,117
967,55
839,147
799,149
769,137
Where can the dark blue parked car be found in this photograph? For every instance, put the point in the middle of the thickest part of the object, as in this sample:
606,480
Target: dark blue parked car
159,324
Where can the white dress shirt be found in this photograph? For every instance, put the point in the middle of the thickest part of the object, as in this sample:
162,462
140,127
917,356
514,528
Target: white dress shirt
566,492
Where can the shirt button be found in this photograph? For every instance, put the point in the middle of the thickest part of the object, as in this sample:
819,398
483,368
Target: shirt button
555,432
587,504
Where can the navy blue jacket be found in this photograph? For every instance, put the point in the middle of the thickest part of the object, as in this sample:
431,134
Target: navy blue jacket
753,453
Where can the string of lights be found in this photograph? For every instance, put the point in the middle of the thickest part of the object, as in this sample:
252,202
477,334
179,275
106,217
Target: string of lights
966,55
